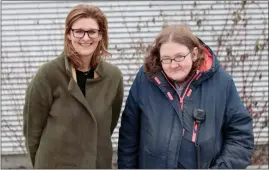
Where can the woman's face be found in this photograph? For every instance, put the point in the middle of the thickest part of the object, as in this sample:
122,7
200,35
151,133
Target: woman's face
176,70
85,45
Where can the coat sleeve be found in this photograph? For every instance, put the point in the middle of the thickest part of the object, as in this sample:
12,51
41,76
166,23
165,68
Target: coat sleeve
38,100
128,143
238,143
116,106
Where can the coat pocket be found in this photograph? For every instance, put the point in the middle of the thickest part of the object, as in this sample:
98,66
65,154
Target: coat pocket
207,149
150,161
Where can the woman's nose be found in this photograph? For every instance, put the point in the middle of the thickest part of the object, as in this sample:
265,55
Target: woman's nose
174,64
86,37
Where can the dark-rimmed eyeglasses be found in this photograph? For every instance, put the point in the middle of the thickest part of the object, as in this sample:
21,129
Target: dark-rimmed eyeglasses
178,58
79,33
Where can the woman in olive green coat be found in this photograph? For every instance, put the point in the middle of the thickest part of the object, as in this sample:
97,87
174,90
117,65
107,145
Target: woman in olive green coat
73,103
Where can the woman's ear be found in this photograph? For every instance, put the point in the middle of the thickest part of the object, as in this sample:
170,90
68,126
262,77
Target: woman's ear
100,37
69,37
194,54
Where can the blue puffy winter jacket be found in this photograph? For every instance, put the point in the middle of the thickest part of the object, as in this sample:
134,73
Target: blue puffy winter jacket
151,127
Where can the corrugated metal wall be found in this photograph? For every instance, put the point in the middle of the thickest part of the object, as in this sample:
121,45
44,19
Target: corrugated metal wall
32,33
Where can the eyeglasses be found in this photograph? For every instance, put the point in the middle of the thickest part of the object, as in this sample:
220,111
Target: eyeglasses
178,58
79,33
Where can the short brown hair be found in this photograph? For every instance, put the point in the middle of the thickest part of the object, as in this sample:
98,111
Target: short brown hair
179,34
86,11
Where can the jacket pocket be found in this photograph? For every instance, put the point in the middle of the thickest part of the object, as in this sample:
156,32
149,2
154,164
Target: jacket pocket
151,161
211,163
207,149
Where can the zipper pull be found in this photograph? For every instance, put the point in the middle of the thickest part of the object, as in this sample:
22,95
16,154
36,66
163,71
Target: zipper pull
181,102
194,132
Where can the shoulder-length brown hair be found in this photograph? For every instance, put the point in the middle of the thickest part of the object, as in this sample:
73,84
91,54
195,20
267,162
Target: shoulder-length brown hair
86,11
179,34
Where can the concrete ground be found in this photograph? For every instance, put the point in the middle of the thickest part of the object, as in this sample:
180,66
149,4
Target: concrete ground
22,162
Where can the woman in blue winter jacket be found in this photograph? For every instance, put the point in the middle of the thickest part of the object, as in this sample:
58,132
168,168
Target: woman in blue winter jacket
183,110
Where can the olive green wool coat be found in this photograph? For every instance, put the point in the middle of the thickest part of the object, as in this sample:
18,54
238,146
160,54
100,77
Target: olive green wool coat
64,129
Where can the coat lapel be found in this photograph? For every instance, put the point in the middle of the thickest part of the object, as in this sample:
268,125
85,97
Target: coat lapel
74,89
77,94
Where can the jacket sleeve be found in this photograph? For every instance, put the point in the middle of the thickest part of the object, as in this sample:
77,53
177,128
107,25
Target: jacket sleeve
128,143
238,143
116,106
38,100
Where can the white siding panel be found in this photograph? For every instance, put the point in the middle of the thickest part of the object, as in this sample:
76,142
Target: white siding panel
32,34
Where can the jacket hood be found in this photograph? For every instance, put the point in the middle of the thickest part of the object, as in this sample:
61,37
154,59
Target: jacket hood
209,67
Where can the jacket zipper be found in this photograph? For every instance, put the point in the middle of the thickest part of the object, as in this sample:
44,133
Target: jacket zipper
181,98
195,135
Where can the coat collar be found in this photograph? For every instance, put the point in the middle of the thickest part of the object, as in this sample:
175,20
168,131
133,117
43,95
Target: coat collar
71,71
